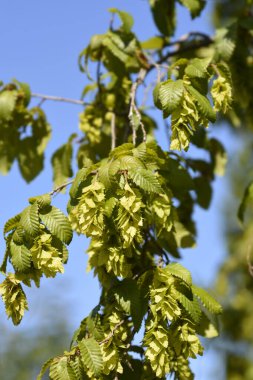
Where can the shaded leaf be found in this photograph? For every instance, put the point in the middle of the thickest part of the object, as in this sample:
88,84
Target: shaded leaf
204,105
247,198
12,223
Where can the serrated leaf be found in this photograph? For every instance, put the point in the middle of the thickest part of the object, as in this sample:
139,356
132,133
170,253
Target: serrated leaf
57,223
177,270
197,68
145,179
77,366
121,150
170,95
94,326
42,200
107,172
5,258
204,105
109,206
30,220
45,366
61,370
12,223
91,355
19,235
208,301
126,18
191,306
20,257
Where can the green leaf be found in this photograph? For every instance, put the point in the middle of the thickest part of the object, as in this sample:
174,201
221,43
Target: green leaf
121,150
204,105
91,355
191,306
163,12
94,326
128,296
7,104
25,90
207,300
30,220
57,223
126,18
208,325
5,259
61,162
198,68
61,370
204,191
45,366
12,223
20,257
42,200
79,179
194,6
246,200
109,206
170,94
146,180
107,172
19,235
153,43
218,156
30,162
177,270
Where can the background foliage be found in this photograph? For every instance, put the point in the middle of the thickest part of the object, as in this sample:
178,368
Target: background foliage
122,192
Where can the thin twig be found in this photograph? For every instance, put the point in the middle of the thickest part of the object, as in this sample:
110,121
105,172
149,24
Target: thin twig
133,108
59,99
110,335
205,41
113,131
62,186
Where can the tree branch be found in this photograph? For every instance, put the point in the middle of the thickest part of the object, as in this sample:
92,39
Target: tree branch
62,186
203,42
59,99
133,108
109,336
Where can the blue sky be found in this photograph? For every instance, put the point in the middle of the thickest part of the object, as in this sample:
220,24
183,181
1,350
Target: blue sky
40,44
